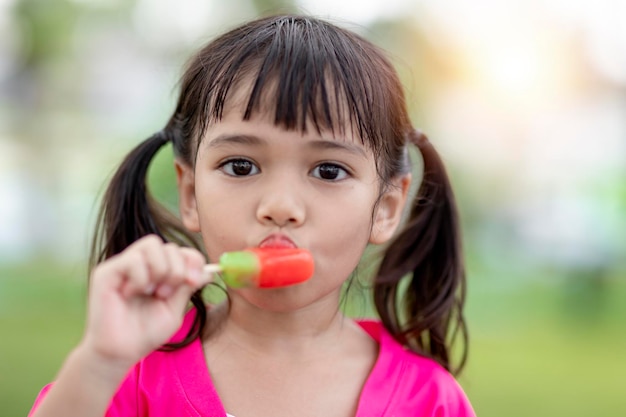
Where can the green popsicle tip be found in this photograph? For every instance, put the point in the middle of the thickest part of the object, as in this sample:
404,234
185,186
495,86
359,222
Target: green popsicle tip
239,269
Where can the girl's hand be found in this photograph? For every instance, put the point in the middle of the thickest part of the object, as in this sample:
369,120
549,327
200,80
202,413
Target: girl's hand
137,300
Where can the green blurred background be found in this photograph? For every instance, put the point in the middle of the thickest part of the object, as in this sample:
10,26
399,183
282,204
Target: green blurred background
526,101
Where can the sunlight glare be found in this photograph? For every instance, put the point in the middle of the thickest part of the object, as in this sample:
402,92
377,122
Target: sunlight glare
361,12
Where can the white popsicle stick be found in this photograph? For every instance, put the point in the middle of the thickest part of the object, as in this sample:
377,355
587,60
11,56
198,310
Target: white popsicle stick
211,268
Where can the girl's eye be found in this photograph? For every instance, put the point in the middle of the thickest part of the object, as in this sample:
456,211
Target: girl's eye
239,168
330,172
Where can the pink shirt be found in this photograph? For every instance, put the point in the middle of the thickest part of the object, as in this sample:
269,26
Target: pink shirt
401,384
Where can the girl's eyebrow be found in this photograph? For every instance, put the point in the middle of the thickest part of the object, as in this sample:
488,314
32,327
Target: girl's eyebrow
321,144
337,145
234,139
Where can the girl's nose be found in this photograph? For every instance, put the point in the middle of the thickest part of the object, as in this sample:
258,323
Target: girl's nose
282,207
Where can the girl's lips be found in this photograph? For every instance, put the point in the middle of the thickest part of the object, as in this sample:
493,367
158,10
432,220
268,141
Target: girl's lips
277,241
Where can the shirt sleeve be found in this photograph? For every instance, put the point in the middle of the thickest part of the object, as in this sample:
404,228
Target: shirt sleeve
454,402
39,398
428,390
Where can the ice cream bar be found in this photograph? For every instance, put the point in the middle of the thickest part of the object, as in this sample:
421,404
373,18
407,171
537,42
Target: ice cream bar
264,267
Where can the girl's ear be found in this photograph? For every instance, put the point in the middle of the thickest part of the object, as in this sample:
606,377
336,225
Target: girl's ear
389,210
187,196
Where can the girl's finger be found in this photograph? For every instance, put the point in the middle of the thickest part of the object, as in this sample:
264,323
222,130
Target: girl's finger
192,280
177,271
125,273
143,266
137,279
194,262
156,258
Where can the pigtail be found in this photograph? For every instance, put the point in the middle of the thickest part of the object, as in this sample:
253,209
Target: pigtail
128,212
424,311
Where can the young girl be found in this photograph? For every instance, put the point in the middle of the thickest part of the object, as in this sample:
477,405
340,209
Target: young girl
288,132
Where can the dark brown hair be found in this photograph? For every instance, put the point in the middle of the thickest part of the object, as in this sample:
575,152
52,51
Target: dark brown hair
313,72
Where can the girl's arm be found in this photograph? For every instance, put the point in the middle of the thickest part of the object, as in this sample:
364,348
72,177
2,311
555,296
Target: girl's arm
137,301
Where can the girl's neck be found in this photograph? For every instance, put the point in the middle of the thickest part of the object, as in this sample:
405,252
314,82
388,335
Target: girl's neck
261,353
294,332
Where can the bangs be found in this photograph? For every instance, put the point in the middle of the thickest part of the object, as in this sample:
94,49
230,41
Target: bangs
310,72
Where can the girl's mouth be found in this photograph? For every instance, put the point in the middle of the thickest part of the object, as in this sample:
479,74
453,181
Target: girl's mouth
277,241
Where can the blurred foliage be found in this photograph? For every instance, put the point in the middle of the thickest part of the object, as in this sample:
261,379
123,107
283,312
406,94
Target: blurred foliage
162,179
48,27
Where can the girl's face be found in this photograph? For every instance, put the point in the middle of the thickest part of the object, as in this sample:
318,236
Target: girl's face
257,184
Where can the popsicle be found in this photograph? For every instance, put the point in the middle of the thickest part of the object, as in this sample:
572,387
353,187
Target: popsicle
264,267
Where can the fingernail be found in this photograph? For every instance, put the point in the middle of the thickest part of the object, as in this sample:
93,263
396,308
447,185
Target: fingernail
149,290
164,291
196,276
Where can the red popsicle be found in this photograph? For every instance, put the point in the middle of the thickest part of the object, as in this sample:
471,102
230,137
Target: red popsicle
264,267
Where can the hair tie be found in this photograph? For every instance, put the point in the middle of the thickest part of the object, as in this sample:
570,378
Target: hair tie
160,137
418,138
